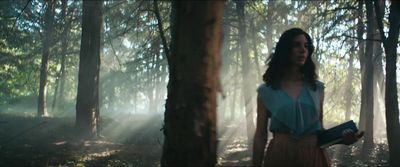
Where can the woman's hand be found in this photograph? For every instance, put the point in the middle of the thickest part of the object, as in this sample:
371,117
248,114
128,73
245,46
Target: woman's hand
351,137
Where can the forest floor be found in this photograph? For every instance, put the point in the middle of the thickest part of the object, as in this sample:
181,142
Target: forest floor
30,141
125,141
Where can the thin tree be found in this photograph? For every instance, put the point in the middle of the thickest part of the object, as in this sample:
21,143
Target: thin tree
379,82
255,50
190,116
269,25
87,104
64,47
60,79
367,85
47,40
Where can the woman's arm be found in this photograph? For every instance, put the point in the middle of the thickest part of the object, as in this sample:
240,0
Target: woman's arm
261,134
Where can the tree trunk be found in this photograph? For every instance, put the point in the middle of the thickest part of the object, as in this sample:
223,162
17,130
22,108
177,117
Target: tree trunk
47,40
361,52
367,103
349,85
379,83
64,48
391,100
246,79
53,105
360,33
379,87
87,105
60,80
150,82
255,50
270,25
190,116
233,101
342,150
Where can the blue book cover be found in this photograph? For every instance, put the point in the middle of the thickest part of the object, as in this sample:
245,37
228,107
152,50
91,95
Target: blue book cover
334,135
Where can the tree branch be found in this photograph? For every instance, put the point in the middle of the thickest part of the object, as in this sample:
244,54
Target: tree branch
349,36
342,8
161,30
19,15
113,49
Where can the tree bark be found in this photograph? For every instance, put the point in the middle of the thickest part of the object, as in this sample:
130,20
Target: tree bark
190,116
87,105
367,105
53,105
360,33
246,80
379,87
64,48
48,33
361,56
391,99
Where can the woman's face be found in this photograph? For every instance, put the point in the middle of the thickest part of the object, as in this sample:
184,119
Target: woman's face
299,52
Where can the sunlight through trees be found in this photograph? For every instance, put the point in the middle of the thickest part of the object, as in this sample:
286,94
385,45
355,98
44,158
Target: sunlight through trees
147,74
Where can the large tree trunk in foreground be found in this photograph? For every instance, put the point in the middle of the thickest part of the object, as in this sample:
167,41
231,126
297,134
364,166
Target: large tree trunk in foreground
190,116
48,33
87,105
391,103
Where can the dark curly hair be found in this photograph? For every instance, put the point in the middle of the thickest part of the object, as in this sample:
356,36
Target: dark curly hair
278,62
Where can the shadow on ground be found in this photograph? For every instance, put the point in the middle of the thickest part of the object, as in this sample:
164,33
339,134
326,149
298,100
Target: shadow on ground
30,141
126,140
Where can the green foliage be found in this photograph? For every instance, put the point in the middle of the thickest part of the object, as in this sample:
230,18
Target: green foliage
19,51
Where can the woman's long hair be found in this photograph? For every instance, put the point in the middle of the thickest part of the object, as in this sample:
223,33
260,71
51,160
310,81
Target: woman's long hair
279,61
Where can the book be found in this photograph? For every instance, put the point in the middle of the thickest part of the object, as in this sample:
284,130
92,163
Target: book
335,134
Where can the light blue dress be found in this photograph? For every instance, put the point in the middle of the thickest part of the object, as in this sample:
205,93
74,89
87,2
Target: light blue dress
297,117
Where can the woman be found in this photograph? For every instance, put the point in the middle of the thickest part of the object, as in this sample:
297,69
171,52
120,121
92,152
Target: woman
292,98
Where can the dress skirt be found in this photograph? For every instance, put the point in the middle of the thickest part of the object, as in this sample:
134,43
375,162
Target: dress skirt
284,150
